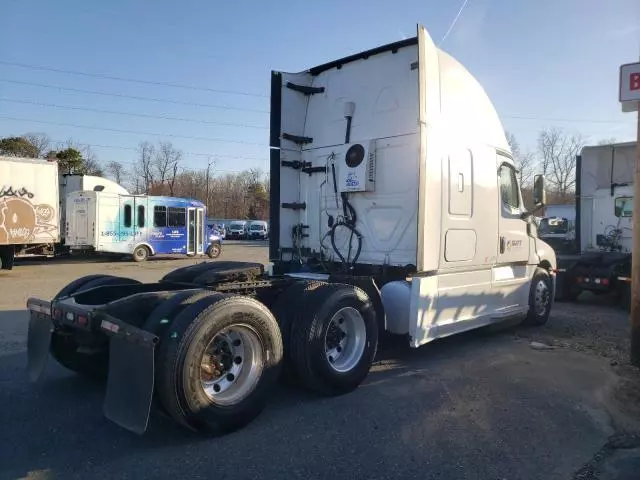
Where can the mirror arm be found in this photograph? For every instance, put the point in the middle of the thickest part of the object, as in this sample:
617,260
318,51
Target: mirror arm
526,214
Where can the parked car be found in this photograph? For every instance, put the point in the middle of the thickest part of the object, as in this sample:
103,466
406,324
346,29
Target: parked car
259,230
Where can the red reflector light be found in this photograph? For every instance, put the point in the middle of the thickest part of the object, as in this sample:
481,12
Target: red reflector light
82,321
604,281
579,279
57,314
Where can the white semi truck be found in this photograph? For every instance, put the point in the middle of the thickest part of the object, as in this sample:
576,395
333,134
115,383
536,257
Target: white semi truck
395,207
32,206
601,261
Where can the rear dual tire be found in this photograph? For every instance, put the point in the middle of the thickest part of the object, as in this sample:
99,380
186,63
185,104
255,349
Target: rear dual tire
217,363
331,335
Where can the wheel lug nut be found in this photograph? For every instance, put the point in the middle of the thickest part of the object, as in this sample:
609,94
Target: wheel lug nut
237,360
341,320
231,377
331,359
216,388
236,343
338,349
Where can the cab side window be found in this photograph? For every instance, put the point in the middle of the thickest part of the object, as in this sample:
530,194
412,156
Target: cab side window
509,188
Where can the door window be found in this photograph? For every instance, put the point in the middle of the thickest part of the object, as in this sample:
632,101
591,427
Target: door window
140,216
127,216
509,192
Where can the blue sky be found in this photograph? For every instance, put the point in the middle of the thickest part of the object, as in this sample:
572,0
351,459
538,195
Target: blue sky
553,62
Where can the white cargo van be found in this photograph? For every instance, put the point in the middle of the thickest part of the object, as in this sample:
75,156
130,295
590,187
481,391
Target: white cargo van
258,230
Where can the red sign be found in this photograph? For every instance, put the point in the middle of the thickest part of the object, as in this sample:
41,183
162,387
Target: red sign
634,81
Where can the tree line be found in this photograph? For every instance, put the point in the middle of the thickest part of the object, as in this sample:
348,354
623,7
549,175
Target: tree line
158,170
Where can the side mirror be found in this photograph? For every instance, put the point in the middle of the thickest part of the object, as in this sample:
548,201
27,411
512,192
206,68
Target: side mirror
539,193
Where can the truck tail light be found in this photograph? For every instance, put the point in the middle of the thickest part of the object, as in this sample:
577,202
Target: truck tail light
82,320
604,281
579,280
57,314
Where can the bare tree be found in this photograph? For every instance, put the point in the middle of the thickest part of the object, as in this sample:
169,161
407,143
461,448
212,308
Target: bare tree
143,168
607,141
166,162
40,141
558,151
116,170
525,161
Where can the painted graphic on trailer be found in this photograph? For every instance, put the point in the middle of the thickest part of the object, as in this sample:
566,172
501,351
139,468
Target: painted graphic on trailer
160,222
22,220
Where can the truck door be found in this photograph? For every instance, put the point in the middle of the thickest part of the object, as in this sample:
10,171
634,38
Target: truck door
191,231
510,271
200,233
140,220
81,234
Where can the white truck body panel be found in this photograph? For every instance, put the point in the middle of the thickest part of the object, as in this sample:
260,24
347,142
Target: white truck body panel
607,173
70,183
29,209
434,198
562,211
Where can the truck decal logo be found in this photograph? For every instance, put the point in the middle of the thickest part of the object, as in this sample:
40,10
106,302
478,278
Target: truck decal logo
8,191
21,221
513,244
352,180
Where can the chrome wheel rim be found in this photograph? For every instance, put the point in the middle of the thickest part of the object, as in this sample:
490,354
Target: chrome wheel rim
231,365
542,297
215,250
140,253
345,339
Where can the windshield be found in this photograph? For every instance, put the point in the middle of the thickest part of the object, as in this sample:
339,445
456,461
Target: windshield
257,227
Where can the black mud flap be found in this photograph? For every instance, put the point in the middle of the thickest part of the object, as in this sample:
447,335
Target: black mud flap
39,338
131,376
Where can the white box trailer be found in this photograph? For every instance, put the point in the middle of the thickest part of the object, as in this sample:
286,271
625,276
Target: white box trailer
395,206
29,206
71,183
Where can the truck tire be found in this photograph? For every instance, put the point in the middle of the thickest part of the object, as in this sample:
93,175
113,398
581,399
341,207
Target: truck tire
214,250
285,309
7,257
218,362
539,299
140,254
64,348
333,339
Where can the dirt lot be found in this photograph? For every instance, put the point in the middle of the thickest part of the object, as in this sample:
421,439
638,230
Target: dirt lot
485,405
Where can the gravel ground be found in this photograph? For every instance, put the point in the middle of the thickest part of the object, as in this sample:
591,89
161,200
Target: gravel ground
482,405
